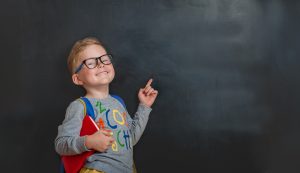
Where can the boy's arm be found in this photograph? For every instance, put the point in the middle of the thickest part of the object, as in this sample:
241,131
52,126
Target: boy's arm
68,141
139,122
147,97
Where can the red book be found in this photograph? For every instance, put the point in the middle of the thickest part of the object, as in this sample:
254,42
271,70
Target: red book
73,164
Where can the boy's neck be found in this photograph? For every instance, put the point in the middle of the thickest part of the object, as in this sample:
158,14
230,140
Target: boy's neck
99,93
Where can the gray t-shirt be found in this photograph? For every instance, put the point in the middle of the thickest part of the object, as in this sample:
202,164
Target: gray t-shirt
114,116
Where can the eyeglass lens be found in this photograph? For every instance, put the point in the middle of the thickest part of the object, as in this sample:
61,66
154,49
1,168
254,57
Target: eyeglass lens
93,62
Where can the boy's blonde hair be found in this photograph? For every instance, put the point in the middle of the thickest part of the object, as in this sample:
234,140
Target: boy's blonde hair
77,48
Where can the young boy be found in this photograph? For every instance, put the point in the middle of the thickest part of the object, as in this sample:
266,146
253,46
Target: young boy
92,68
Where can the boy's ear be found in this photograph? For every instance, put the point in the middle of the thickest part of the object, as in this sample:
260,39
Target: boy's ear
76,79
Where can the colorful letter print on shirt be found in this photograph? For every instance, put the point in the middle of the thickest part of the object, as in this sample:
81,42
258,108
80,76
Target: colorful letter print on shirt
117,121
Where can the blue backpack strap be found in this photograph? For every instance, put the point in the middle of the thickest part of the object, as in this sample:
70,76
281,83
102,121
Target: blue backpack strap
119,99
89,108
61,167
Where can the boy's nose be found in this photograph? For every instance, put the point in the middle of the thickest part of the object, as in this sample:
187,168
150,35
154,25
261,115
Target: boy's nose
100,65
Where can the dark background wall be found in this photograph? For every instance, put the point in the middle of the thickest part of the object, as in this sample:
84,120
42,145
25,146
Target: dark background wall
227,72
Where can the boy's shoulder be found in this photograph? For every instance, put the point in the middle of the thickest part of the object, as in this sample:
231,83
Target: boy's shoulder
77,103
120,100
75,109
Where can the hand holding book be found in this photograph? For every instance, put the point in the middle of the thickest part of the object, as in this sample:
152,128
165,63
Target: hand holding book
100,141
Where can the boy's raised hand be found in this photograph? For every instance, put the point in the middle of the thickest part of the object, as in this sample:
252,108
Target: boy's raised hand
147,95
99,141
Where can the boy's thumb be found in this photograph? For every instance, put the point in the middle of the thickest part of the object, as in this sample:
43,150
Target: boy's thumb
107,132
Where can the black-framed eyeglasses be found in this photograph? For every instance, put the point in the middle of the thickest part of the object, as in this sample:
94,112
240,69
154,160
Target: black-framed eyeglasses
91,63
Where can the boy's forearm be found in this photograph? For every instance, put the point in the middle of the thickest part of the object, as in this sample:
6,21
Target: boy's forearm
139,122
70,145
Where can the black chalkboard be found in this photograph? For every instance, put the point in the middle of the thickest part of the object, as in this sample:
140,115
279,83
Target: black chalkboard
227,72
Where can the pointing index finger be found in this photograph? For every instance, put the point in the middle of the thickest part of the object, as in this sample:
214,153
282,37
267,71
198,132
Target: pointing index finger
149,82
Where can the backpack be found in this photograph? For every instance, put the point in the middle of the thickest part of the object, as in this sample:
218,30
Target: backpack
73,164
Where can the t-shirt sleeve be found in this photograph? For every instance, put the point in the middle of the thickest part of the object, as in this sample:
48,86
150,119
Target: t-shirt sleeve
68,141
139,122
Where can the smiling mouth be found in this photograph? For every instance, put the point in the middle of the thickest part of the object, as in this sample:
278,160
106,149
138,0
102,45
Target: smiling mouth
105,72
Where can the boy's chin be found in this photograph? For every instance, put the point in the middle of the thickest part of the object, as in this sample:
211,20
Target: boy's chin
106,81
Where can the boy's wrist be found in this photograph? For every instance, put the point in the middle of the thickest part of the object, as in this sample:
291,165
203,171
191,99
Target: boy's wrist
87,142
144,104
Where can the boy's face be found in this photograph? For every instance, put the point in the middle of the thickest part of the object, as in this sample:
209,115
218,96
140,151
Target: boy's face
98,76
